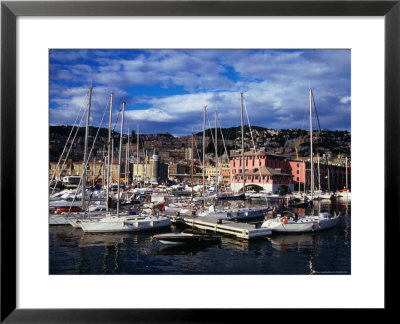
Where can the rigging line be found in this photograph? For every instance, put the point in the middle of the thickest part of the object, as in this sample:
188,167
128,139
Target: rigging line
255,150
69,136
71,144
226,151
209,130
70,147
302,132
319,126
87,160
116,121
197,148
223,140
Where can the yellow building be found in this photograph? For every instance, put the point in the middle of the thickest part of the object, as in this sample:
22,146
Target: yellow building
141,171
94,170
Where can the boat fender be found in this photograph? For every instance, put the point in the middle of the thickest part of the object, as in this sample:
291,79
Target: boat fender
284,220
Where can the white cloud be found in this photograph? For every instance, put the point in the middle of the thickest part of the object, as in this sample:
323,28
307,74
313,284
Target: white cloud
345,100
275,85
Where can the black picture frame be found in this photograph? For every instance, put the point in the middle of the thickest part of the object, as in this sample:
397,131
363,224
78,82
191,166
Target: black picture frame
10,10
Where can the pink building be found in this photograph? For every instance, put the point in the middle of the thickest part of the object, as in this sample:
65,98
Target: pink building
267,171
272,172
332,178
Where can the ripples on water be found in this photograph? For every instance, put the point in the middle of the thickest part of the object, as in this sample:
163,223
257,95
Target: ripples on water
326,252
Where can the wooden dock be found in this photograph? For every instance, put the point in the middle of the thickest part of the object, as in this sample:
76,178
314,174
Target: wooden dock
240,230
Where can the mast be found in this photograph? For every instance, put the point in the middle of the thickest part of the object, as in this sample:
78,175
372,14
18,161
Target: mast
85,157
192,164
126,161
145,170
137,156
346,175
242,129
94,170
319,174
216,153
119,156
112,158
204,147
329,179
108,152
104,169
311,147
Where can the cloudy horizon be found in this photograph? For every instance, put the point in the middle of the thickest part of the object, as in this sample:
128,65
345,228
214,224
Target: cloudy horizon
166,90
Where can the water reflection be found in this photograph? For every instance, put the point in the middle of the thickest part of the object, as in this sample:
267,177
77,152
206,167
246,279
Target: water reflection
74,252
286,242
184,249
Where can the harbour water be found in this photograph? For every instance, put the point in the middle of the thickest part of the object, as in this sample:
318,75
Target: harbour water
71,251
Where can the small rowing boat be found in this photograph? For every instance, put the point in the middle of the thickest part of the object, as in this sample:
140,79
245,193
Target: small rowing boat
187,238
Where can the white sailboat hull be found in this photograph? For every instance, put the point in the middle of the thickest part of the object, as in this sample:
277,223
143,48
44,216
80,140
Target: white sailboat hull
124,224
303,225
59,220
344,195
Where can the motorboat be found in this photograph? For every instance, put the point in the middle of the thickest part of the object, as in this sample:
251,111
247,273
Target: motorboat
193,238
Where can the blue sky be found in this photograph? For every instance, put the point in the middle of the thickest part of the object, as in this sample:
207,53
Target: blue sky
166,90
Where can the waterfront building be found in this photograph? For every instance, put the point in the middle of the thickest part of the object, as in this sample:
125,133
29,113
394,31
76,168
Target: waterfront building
211,172
141,172
225,174
144,172
94,174
264,171
328,175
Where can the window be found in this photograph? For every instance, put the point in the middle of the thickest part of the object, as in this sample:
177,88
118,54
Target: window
298,172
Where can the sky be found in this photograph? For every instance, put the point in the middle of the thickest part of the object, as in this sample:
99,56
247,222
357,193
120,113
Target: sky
166,90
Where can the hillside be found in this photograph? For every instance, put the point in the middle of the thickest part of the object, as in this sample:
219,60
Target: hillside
284,141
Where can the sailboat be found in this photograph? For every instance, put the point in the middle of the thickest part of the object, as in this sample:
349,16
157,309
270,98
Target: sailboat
292,222
122,223
241,212
239,196
65,206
